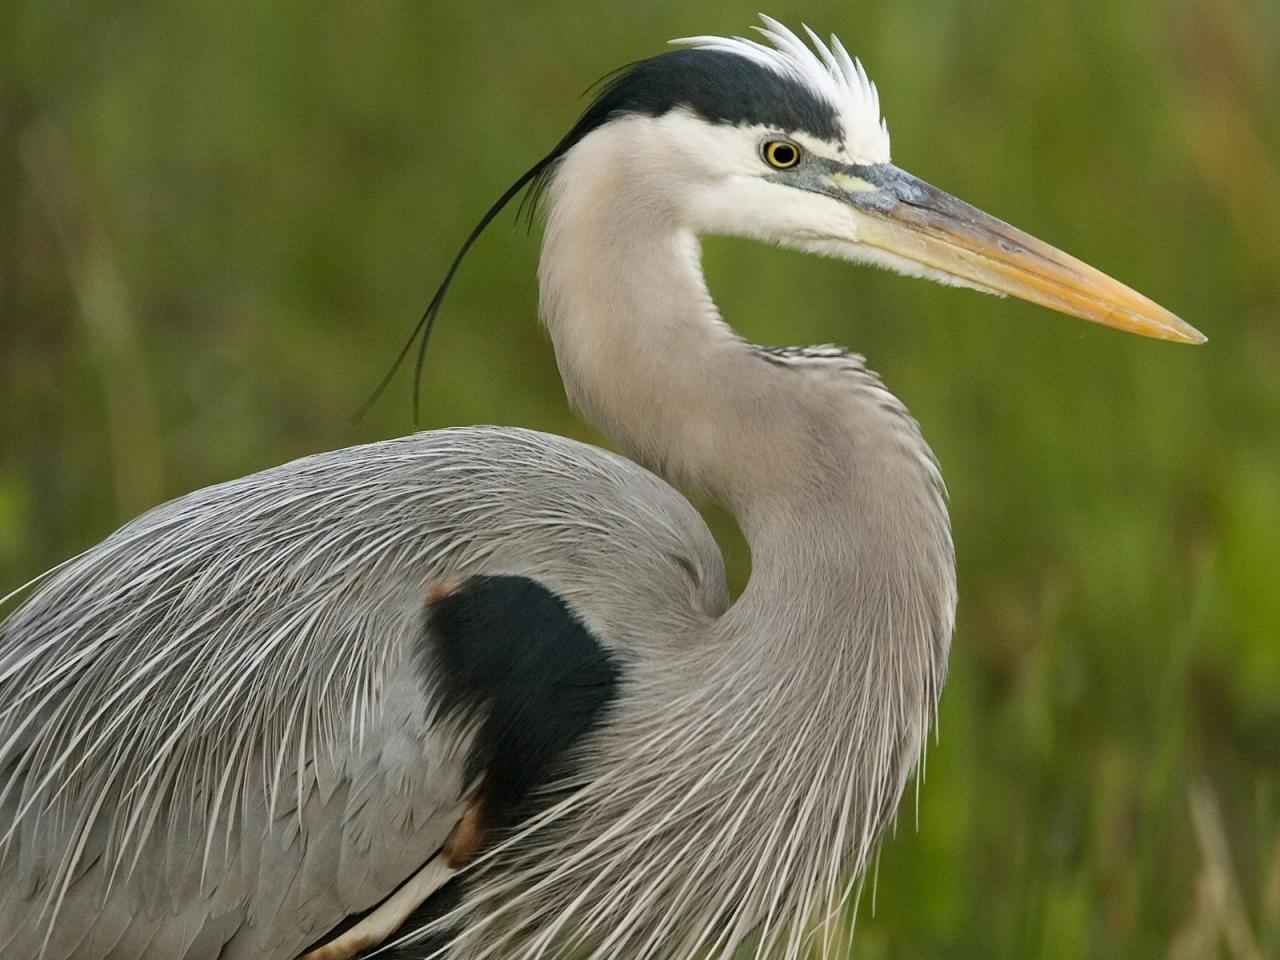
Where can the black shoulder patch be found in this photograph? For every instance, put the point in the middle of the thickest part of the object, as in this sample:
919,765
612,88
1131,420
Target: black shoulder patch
508,655
718,86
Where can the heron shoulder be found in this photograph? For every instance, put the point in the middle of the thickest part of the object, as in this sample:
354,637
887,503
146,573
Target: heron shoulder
622,546
286,605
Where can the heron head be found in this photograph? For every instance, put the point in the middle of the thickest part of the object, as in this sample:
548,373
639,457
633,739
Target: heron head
782,140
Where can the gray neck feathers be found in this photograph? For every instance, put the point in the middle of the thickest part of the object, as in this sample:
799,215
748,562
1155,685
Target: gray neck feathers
838,494
790,730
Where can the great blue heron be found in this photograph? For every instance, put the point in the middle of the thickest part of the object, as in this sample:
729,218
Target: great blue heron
483,689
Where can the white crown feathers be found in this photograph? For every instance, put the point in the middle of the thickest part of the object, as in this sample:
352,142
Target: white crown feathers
828,71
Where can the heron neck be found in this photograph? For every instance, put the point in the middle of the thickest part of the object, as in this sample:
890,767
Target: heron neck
824,470
642,350
790,722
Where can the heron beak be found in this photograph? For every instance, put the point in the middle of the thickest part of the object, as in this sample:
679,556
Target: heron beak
915,221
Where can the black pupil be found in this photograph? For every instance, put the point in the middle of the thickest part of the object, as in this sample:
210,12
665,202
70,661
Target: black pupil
784,155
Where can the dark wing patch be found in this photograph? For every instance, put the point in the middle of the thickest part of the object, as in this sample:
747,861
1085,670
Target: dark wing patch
506,654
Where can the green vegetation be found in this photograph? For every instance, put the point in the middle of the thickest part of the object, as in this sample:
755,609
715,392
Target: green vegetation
218,221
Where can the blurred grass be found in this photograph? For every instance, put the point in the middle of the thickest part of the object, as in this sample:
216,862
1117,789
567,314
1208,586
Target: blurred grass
218,221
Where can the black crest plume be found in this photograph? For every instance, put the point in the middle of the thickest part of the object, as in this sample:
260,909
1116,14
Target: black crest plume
717,86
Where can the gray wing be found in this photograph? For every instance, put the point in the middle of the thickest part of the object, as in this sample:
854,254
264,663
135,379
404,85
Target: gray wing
215,741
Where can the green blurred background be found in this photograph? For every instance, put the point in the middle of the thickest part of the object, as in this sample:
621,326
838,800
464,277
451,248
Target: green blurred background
219,220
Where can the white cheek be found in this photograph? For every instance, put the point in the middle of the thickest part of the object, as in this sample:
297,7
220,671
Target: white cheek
690,149
750,206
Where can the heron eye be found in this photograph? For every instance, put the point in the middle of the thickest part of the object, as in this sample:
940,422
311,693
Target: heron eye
781,154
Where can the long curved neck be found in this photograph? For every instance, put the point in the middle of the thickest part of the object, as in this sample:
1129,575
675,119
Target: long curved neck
787,731
831,661
641,348
827,474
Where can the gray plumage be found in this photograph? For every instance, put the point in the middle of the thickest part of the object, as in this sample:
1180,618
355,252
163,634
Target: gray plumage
243,655
218,735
